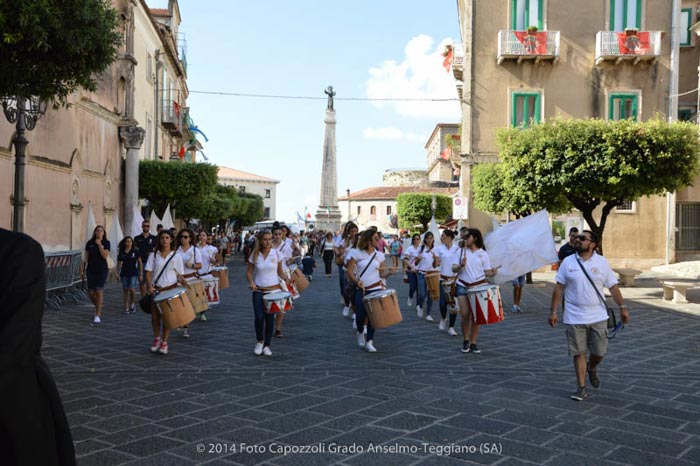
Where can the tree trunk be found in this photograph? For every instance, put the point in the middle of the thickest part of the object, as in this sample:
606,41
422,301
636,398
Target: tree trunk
599,228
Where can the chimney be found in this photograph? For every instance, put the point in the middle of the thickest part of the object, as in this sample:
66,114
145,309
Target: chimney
348,192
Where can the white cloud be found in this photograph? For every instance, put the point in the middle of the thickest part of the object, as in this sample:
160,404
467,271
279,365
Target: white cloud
392,134
420,75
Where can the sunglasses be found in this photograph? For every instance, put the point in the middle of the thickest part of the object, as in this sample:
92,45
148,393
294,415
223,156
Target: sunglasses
185,237
583,238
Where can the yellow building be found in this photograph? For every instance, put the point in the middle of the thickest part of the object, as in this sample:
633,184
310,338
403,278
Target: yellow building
521,61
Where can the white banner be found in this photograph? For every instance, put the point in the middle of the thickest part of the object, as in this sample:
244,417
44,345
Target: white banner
521,246
460,208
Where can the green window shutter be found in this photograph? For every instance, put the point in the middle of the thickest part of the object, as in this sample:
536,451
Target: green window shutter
622,106
686,22
526,109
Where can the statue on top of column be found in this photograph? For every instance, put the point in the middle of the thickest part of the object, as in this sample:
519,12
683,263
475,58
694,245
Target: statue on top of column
330,93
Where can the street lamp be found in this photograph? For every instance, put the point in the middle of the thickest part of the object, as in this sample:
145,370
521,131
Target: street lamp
25,112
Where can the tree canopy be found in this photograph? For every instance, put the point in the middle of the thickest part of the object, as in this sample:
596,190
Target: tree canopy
415,208
50,48
564,164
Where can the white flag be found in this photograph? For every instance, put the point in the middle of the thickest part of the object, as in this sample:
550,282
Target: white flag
115,236
136,222
155,221
521,246
167,219
89,228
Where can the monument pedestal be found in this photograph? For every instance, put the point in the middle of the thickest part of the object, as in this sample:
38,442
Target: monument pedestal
328,221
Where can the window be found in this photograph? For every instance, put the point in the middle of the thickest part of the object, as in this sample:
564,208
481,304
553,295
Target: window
685,114
266,212
526,109
373,213
267,194
149,138
625,14
526,13
627,206
388,210
686,22
241,189
359,209
149,68
622,106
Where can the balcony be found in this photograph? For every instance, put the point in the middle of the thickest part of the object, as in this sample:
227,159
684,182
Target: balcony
171,118
524,45
632,46
458,62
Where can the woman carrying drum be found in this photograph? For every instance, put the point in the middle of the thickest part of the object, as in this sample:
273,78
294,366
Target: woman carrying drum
162,259
475,266
208,255
425,262
190,259
409,256
365,269
284,250
264,274
340,247
448,257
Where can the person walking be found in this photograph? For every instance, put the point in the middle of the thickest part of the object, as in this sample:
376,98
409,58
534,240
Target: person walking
409,256
327,248
207,254
425,261
145,243
341,246
129,268
96,269
518,285
580,280
448,258
191,263
568,248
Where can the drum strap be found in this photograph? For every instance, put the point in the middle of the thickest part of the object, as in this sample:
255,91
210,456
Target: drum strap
189,275
467,285
163,269
375,285
267,289
166,288
446,277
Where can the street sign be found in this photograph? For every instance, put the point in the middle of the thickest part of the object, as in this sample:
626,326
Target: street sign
460,208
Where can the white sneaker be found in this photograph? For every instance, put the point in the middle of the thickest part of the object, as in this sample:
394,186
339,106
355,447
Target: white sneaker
354,322
346,311
443,324
155,345
429,318
419,311
515,308
258,349
360,340
185,332
452,332
370,347
409,302
364,330
267,351
96,320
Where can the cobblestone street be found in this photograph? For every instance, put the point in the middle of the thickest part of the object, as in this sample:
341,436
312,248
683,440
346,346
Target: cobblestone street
418,400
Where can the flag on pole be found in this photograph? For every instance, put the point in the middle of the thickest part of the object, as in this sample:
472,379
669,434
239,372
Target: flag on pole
300,219
448,54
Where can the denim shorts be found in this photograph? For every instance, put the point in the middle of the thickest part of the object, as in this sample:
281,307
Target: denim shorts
461,290
519,281
130,282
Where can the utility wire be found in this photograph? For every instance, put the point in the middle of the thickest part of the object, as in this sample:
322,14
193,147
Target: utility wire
303,97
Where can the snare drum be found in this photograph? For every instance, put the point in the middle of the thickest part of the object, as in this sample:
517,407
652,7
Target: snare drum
175,307
211,289
432,279
222,274
277,301
300,280
197,295
485,304
382,308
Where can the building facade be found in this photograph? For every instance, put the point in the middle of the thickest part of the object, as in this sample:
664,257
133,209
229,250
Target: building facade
246,182
75,156
442,165
521,61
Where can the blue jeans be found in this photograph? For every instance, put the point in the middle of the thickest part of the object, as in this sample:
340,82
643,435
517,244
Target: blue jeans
444,298
423,294
412,283
343,280
361,314
264,323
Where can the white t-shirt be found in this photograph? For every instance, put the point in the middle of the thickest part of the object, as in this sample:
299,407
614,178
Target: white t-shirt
327,245
477,263
410,253
206,254
371,275
426,259
582,304
155,264
265,269
285,252
187,257
448,257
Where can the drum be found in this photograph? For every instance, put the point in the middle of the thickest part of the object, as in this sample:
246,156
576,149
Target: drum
432,279
222,274
197,295
382,308
277,301
449,287
175,307
211,289
485,304
300,280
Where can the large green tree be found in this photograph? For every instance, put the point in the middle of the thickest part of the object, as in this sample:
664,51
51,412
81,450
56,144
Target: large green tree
50,48
249,209
585,164
413,208
185,186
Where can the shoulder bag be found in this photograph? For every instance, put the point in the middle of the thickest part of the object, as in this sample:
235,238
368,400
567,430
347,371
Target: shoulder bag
350,286
146,301
612,320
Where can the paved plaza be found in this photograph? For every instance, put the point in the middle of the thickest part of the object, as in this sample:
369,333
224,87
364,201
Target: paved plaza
322,400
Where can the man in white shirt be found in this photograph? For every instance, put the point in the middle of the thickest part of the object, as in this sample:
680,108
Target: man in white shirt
585,312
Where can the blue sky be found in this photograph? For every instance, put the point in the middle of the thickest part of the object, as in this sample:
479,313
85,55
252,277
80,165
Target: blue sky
363,48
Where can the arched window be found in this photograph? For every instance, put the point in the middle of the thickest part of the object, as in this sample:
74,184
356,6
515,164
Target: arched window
373,213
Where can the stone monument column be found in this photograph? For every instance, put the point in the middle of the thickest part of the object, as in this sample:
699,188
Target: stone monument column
132,138
328,214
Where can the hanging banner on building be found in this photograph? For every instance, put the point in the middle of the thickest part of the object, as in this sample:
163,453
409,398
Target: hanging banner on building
535,43
460,208
633,42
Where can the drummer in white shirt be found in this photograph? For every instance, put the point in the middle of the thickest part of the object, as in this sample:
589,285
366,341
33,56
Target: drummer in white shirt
208,255
425,261
409,256
448,256
475,266
264,274
365,268
284,249
191,260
